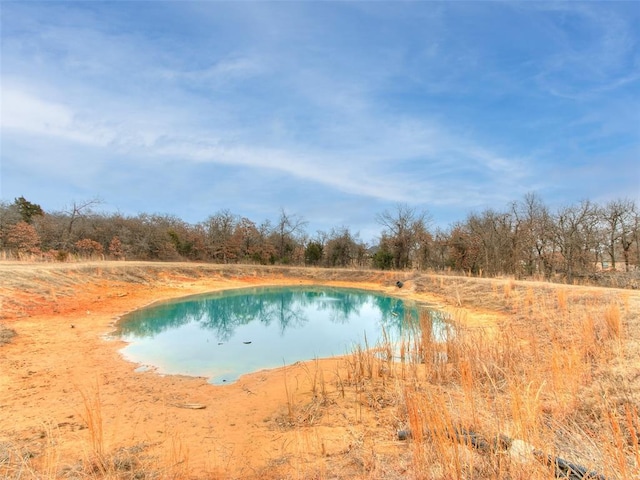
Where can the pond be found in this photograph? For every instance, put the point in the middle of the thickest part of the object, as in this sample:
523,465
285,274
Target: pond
224,335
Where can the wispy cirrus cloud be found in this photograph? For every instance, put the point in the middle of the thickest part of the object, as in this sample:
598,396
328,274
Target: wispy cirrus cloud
374,168
595,49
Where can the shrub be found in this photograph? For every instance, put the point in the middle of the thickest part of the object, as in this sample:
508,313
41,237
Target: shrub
115,248
89,247
24,238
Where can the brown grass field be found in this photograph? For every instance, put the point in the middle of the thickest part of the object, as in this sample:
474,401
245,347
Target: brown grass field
554,368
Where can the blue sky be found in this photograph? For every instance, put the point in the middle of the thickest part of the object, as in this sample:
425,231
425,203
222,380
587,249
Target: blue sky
334,111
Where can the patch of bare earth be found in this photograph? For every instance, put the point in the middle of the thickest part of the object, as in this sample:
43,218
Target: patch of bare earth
556,366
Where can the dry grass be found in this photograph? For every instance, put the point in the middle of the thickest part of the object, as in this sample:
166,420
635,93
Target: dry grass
6,334
544,378
559,374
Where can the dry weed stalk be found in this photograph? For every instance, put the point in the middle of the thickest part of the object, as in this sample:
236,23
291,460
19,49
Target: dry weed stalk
92,416
613,321
176,462
289,398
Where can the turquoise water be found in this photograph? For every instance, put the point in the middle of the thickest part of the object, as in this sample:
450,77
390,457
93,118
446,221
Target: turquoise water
226,334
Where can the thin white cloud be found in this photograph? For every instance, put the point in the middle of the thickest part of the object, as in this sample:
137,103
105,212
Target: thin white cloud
221,71
27,113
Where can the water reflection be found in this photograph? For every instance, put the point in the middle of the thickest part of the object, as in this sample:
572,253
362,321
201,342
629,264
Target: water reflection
225,334
223,312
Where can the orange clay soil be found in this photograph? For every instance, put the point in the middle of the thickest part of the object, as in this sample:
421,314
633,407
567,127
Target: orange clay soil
62,380
67,396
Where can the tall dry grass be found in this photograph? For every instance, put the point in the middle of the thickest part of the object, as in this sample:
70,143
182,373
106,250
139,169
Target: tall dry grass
542,378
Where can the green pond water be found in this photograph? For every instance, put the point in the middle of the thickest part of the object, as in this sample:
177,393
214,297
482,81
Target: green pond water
226,334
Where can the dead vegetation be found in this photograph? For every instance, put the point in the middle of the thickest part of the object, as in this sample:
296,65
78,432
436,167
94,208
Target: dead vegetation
6,334
553,368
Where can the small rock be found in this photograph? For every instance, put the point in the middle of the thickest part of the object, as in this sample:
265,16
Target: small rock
404,434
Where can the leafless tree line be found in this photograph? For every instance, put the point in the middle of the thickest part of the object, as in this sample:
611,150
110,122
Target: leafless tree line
525,239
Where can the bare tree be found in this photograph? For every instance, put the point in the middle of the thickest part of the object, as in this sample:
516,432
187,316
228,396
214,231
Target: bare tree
464,249
537,235
402,227
76,211
289,226
635,234
576,228
440,248
343,249
612,214
619,218
493,232
219,230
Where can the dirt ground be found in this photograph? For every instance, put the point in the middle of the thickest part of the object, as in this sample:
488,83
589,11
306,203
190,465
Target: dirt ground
66,393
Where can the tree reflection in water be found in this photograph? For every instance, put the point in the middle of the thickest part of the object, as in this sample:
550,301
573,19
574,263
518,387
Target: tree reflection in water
223,312
281,324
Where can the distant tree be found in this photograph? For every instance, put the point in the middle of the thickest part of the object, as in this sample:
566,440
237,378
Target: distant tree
440,250
537,242
222,245
244,239
382,258
424,255
265,251
635,234
27,210
618,216
575,234
464,250
289,226
187,240
313,253
402,227
77,211
342,248
493,233
525,238
23,238
146,237
9,216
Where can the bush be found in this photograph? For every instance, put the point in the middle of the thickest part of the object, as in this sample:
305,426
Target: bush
89,247
24,238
